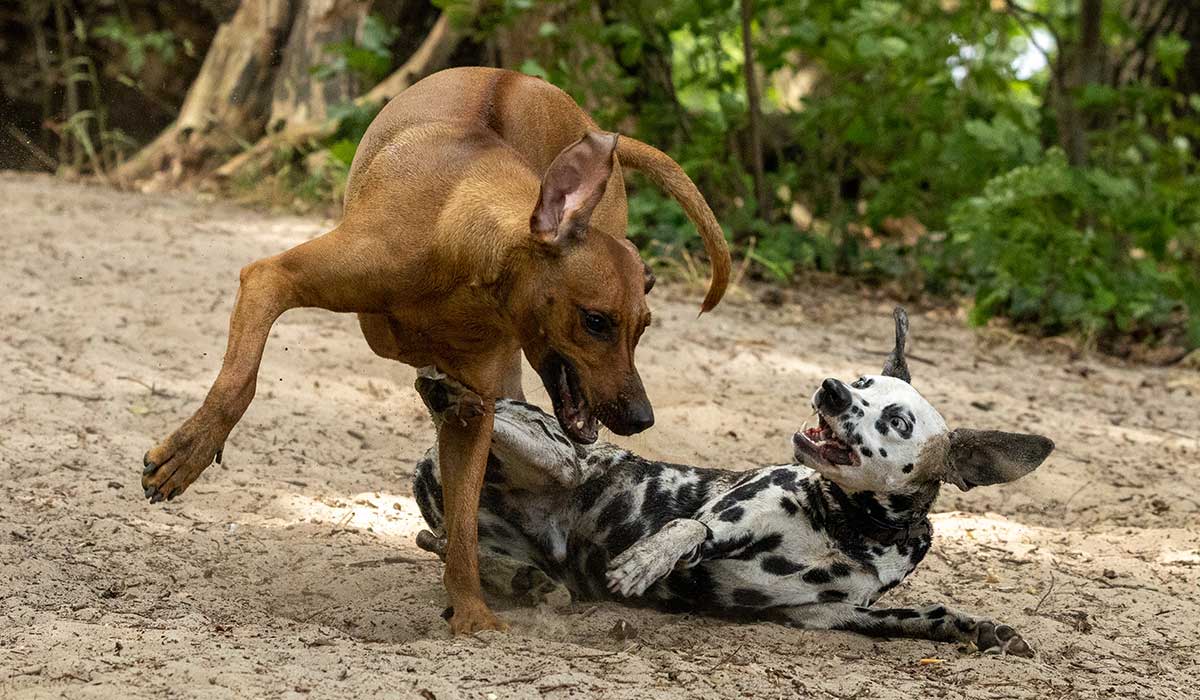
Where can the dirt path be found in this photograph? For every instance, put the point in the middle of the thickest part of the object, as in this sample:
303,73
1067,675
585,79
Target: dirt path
290,571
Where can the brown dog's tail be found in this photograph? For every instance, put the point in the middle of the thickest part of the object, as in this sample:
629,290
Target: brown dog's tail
667,174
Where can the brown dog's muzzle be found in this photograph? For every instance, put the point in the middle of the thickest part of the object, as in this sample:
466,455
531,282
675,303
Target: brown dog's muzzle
630,413
626,414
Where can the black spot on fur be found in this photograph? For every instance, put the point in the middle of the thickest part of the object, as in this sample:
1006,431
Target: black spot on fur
750,597
690,589
588,492
883,453
623,536
816,575
732,515
935,613
866,451
614,513
780,566
785,478
743,493
831,596
767,544
866,403
907,469
788,505
657,500
839,569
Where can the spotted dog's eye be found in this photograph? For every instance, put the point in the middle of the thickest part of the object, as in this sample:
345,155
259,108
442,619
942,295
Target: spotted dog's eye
596,323
860,383
900,424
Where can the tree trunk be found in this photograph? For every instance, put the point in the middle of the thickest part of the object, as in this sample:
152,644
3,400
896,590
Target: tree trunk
256,74
432,55
300,95
230,99
754,109
1080,65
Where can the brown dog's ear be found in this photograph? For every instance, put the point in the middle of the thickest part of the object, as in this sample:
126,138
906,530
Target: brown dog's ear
969,458
895,365
572,187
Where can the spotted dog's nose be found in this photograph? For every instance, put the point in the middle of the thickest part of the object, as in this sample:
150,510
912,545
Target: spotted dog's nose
833,398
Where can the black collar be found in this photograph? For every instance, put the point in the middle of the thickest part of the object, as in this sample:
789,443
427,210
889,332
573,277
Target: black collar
895,534
855,522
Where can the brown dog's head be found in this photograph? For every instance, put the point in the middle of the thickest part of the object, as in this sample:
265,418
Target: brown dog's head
584,299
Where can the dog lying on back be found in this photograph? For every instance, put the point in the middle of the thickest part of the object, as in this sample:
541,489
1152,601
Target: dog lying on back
812,544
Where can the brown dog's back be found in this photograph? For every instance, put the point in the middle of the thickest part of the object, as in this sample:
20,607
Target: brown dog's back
534,118
537,121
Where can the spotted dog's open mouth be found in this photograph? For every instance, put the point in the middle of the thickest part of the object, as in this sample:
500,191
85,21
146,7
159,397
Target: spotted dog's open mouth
570,406
822,445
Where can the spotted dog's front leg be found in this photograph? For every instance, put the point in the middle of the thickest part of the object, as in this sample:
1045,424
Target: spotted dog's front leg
637,568
935,623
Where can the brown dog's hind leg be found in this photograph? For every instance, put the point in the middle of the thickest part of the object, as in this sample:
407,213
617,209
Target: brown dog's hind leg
307,275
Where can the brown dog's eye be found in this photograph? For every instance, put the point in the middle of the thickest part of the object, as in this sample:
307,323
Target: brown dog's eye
596,323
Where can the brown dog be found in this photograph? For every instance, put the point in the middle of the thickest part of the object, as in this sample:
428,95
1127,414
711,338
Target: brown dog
484,215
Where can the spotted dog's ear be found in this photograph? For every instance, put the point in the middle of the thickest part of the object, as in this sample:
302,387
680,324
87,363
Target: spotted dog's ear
969,458
895,365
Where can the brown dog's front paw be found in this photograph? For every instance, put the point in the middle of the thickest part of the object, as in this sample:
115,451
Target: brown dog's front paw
469,619
172,465
992,638
446,398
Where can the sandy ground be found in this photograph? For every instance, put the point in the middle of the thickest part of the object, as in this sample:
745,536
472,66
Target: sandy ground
291,570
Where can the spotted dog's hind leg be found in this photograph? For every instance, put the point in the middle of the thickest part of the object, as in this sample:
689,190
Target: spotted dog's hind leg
935,623
503,574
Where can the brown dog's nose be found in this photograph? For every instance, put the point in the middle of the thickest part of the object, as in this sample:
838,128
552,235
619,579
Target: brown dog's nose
632,413
641,417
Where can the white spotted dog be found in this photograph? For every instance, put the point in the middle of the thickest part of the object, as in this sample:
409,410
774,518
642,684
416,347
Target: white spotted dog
812,544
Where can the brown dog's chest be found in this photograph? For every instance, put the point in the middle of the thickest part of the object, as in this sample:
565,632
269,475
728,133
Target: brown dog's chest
457,333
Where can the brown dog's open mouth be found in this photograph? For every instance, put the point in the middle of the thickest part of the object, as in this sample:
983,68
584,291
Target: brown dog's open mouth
570,406
823,445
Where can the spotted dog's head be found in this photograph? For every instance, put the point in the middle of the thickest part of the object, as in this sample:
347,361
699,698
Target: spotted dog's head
880,434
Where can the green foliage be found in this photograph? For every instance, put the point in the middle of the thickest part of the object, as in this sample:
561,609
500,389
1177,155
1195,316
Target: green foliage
138,45
369,58
915,153
1063,248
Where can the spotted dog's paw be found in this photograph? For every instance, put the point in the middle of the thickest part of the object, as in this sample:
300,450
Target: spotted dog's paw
993,638
446,398
637,568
